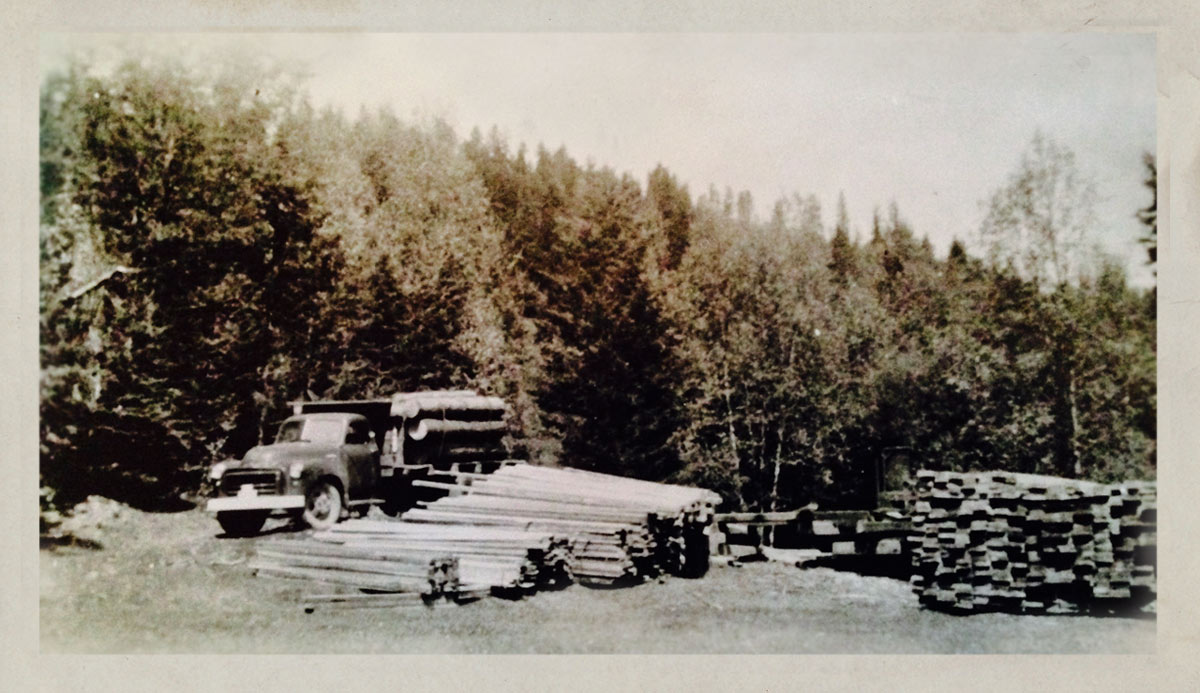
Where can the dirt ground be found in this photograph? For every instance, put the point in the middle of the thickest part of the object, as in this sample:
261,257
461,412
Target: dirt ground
155,583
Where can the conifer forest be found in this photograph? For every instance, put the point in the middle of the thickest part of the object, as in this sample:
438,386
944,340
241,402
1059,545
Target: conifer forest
214,247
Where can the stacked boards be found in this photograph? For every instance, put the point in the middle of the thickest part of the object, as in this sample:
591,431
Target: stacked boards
507,561
510,533
391,563
620,529
1022,543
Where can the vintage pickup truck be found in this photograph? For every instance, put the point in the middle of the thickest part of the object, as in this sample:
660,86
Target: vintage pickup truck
327,461
318,463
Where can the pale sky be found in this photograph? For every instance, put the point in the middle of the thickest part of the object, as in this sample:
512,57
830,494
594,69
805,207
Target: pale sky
935,122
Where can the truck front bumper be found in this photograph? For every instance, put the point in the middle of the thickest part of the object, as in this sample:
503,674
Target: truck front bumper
232,503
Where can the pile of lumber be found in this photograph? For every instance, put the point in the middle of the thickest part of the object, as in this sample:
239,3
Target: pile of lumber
871,542
357,567
392,563
839,532
861,532
620,529
1021,543
498,559
509,533
756,529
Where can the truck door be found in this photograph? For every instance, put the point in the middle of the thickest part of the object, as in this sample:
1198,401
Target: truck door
362,454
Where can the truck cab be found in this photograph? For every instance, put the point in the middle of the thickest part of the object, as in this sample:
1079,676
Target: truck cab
320,465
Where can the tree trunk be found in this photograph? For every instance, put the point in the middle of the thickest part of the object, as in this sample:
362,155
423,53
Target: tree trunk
775,472
1066,442
1073,430
263,404
733,441
779,432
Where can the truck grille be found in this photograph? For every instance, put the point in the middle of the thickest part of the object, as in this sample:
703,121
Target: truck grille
266,482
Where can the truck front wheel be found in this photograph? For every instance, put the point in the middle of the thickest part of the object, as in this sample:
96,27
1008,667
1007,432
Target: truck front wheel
322,505
242,523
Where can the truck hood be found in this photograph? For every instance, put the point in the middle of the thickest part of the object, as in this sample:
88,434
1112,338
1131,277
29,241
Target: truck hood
280,455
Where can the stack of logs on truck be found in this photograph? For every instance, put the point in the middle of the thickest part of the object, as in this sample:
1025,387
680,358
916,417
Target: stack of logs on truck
427,434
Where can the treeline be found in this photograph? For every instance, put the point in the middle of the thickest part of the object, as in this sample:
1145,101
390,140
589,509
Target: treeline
213,247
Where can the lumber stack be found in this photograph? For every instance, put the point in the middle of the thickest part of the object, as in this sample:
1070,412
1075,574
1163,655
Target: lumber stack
399,563
357,567
1022,543
620,529
496,559
509,533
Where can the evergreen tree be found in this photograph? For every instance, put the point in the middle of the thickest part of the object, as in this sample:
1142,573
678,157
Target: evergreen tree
672,207
213,267
843,263
1149,214
212,248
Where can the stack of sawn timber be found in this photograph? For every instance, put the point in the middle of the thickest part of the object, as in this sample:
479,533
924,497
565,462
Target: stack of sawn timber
520,561
1022,543
401,562
447,428
620,529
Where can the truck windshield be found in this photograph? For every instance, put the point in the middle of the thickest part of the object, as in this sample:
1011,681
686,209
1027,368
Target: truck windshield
310,431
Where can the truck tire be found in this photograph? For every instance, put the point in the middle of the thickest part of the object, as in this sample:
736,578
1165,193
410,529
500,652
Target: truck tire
322,505
241,523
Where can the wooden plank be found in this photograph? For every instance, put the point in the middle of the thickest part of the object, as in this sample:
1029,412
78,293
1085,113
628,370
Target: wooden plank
360,580
370,601
784,517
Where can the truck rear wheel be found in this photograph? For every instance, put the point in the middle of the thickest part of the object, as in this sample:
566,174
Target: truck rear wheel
397,497
322,505
241,523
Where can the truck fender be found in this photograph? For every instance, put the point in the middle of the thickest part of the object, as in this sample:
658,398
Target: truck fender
331,466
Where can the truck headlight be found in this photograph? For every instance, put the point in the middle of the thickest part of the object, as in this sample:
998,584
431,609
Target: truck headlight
217,471
295,469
